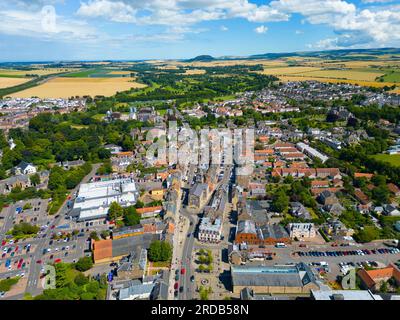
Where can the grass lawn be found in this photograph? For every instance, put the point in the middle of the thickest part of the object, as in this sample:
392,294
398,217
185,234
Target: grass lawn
393,159
312,213
99,116
161,264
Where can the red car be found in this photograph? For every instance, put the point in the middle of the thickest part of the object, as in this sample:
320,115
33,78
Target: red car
16,249
3,242
176,285
57,261
183,271
39,261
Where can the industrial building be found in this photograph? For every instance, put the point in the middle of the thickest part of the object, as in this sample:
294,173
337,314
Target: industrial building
94,199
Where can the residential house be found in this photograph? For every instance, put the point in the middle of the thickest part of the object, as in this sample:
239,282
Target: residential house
24,168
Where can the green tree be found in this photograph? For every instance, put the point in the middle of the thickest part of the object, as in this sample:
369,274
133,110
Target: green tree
115,211
280,201
84,264
35,179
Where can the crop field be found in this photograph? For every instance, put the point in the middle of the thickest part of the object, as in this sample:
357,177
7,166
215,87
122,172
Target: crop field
328,80
343,74
39,72
288,70
67,87
11,82
195,71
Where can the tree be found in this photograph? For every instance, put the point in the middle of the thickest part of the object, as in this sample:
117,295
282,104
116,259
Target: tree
35,179
105,234
160,251
84,264
280,201
81,279
115,211
94,235
131,217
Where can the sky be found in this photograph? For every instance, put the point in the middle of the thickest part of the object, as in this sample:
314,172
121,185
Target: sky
53,30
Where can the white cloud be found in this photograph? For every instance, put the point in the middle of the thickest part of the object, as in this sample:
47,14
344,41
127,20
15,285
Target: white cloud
32,24
114,11
223,28
299,32
261,29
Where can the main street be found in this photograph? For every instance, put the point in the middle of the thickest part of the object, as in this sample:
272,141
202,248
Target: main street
187,250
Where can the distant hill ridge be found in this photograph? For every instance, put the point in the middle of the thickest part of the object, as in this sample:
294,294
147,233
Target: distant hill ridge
330,54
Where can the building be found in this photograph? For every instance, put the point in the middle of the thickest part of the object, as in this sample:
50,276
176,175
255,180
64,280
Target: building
298,210
24,168
113,148
209,230
113,250
248,233
301,230
327,198
372,279
344,295
278,279
136,291
311,152
198,195
94,199
148,212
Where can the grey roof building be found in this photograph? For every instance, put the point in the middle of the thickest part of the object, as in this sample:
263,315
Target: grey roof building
293,279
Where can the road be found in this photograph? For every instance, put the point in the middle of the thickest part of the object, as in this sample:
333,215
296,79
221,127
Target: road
186,258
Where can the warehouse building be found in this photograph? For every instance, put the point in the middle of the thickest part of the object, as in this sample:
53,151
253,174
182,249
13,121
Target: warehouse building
94,199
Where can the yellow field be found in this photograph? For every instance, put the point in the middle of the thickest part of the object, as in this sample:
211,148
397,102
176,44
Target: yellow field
11,82
68,87
343,74
40,72
361,83
288,70
120,72
195,71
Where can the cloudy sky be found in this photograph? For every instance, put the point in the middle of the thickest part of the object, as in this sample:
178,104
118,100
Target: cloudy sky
39,30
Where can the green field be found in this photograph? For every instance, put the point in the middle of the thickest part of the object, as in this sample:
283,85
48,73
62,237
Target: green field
393,159
94,73
392,77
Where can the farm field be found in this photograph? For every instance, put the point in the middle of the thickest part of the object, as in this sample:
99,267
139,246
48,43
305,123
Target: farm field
67,87
195,71
39,72
288,70
344,74
11,82
329,80
393,159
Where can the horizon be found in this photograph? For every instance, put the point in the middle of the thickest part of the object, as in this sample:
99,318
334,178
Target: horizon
126,30
222,57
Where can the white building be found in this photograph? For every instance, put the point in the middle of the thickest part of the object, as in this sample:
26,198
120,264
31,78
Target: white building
302,230
210,231
94,199
24,168
311,152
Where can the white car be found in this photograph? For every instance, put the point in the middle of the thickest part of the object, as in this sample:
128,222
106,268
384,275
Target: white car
67,248
56,249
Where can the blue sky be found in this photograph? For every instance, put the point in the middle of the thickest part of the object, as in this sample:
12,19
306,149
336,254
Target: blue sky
39,30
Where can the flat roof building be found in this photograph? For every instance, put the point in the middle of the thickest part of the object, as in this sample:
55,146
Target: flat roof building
94,199
287,279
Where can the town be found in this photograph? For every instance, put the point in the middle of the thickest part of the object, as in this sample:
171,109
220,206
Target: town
319,208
